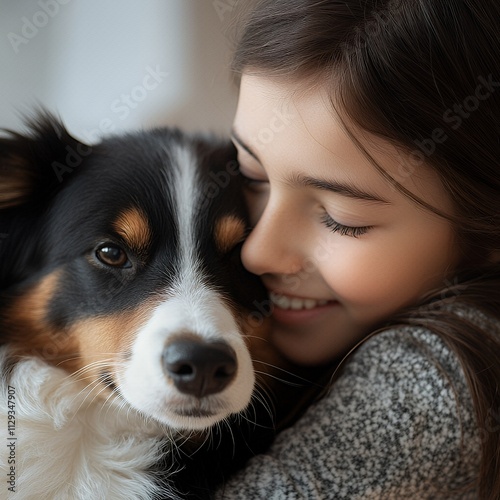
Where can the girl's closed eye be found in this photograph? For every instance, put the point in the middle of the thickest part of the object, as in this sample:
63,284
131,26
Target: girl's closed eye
250,176
252,179
343,230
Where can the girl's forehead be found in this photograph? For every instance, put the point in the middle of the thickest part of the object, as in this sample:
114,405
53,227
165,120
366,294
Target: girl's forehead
296,128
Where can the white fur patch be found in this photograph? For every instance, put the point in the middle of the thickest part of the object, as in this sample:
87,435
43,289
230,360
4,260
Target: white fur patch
72,446
190,306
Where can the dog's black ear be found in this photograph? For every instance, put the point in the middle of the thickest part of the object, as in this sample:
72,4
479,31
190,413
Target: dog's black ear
35,165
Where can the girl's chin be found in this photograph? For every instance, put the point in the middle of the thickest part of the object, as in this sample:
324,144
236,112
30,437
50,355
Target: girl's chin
300,351
315,337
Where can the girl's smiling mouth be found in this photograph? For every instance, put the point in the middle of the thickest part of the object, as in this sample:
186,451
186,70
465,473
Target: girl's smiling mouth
287,309
296,303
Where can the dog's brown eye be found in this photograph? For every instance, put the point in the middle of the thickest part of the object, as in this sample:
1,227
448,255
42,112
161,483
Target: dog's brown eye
112,255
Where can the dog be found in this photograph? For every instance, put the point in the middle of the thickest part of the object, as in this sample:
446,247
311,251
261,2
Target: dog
125,314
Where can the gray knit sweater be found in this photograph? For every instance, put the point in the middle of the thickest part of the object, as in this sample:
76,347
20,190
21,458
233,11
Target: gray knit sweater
398,423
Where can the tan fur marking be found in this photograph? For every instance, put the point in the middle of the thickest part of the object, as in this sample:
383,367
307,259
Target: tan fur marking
229,231
109,337
104,343
16,184
30,309
132,225
26,327
104,339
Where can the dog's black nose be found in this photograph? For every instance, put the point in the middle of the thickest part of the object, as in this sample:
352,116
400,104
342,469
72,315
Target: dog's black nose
199,368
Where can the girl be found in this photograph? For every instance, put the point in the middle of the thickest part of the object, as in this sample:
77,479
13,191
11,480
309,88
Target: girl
368,132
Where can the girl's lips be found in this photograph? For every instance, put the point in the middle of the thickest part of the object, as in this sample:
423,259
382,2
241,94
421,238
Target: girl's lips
294,310
296,303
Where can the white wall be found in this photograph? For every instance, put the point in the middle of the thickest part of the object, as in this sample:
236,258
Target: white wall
110,65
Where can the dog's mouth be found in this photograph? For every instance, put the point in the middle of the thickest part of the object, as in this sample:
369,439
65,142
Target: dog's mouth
194,413
191,407
176,410
198,415
197,409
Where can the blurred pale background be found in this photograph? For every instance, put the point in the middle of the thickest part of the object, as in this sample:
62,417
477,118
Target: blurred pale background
111,65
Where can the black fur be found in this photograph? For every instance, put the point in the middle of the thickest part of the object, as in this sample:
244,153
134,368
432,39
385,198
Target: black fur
60,209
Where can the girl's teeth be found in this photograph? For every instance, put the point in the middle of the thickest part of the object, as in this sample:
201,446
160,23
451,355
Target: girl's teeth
295,303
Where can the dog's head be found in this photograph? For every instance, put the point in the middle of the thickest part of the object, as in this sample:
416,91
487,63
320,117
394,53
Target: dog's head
119,262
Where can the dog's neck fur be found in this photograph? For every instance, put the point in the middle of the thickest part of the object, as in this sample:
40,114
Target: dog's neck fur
70,445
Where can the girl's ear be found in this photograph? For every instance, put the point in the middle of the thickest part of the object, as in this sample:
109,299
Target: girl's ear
34,166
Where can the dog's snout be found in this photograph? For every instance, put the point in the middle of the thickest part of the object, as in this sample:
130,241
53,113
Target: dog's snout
200,368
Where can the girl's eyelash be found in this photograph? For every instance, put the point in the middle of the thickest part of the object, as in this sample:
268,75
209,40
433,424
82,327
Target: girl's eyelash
336,227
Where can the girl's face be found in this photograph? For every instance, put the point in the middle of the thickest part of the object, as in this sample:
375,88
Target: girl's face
337,246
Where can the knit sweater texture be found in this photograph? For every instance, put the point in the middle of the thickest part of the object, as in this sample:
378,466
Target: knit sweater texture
398,423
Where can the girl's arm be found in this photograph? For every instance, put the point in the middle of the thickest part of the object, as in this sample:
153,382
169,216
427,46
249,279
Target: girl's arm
398,423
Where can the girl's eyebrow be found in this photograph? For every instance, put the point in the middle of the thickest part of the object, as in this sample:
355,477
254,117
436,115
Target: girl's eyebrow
333,186
300,180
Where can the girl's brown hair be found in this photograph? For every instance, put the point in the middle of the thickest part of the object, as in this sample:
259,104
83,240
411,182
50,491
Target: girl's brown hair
424,75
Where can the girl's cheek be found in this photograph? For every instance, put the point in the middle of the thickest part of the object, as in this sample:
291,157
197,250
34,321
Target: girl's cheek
389,276
365,277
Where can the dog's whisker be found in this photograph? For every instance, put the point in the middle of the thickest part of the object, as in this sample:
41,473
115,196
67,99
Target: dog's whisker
281,370
99,392
102,363
110,405
85,390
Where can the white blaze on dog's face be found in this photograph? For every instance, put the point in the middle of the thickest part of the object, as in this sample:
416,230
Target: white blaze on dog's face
191,312
137,285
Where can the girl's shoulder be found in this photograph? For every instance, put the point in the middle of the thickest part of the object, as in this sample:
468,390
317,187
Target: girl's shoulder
402,404
414,347
415,364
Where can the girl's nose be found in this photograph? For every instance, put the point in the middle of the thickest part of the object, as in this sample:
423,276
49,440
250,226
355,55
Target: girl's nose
273,247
